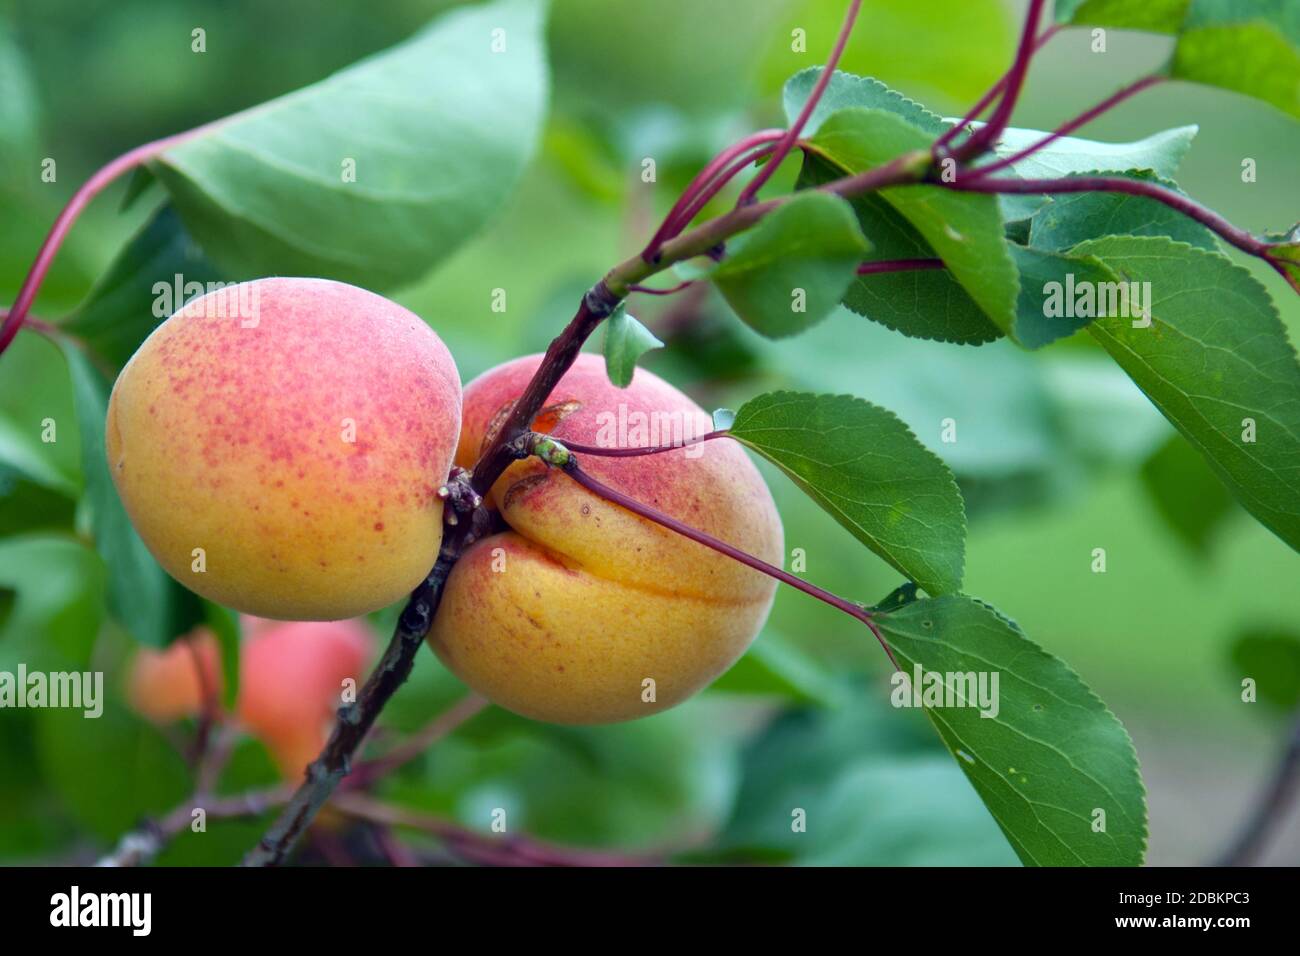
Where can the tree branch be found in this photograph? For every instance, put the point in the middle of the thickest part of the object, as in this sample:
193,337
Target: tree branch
355,719
1273,804
474,847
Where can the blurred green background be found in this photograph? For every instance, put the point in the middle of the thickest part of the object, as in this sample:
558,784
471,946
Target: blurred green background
1057,452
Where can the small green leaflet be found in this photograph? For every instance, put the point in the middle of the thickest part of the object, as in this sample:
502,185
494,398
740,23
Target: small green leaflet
380,171
1217,362
1250,46
120,311
141,595
965,229
862,465
626,340
791,270
1187,494
1054,766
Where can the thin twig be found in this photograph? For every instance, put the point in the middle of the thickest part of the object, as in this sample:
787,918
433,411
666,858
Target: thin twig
673,223
791,136
898,265
1234,235
474,847
80,200
354,721
1065,129
411,748
1274,803
983,138
992,93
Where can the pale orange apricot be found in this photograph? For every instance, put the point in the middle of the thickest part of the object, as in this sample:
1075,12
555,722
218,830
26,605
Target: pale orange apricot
168,685
582,612
279,446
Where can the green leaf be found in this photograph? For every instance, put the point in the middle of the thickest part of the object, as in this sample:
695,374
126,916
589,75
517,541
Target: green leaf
437,130
964,229
141,596
21,453
57,585
1161,153
19,109
1045,278
845,91
869,472
1249,46
224,623
152,277
149,776
928,304
1217,363
1049,756
1186,493
792,269
1158,16
1071,218
626,340
1272,659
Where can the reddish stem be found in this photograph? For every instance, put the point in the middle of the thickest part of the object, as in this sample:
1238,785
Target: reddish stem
993,91
898,265
668,291
792,134
1238,237
672,524
712,189
673,222
59,231
984,137
1067,128
600,452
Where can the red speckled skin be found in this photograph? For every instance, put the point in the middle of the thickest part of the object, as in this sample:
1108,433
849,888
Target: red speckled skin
564,617
302,453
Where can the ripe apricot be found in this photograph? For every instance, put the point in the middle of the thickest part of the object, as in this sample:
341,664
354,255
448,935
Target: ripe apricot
279,446
583,612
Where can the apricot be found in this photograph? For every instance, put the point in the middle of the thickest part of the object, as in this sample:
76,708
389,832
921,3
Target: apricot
290,681
279,446
582,612
167,685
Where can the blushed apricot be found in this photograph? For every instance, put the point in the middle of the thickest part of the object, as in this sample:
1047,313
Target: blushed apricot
583,612
279,446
